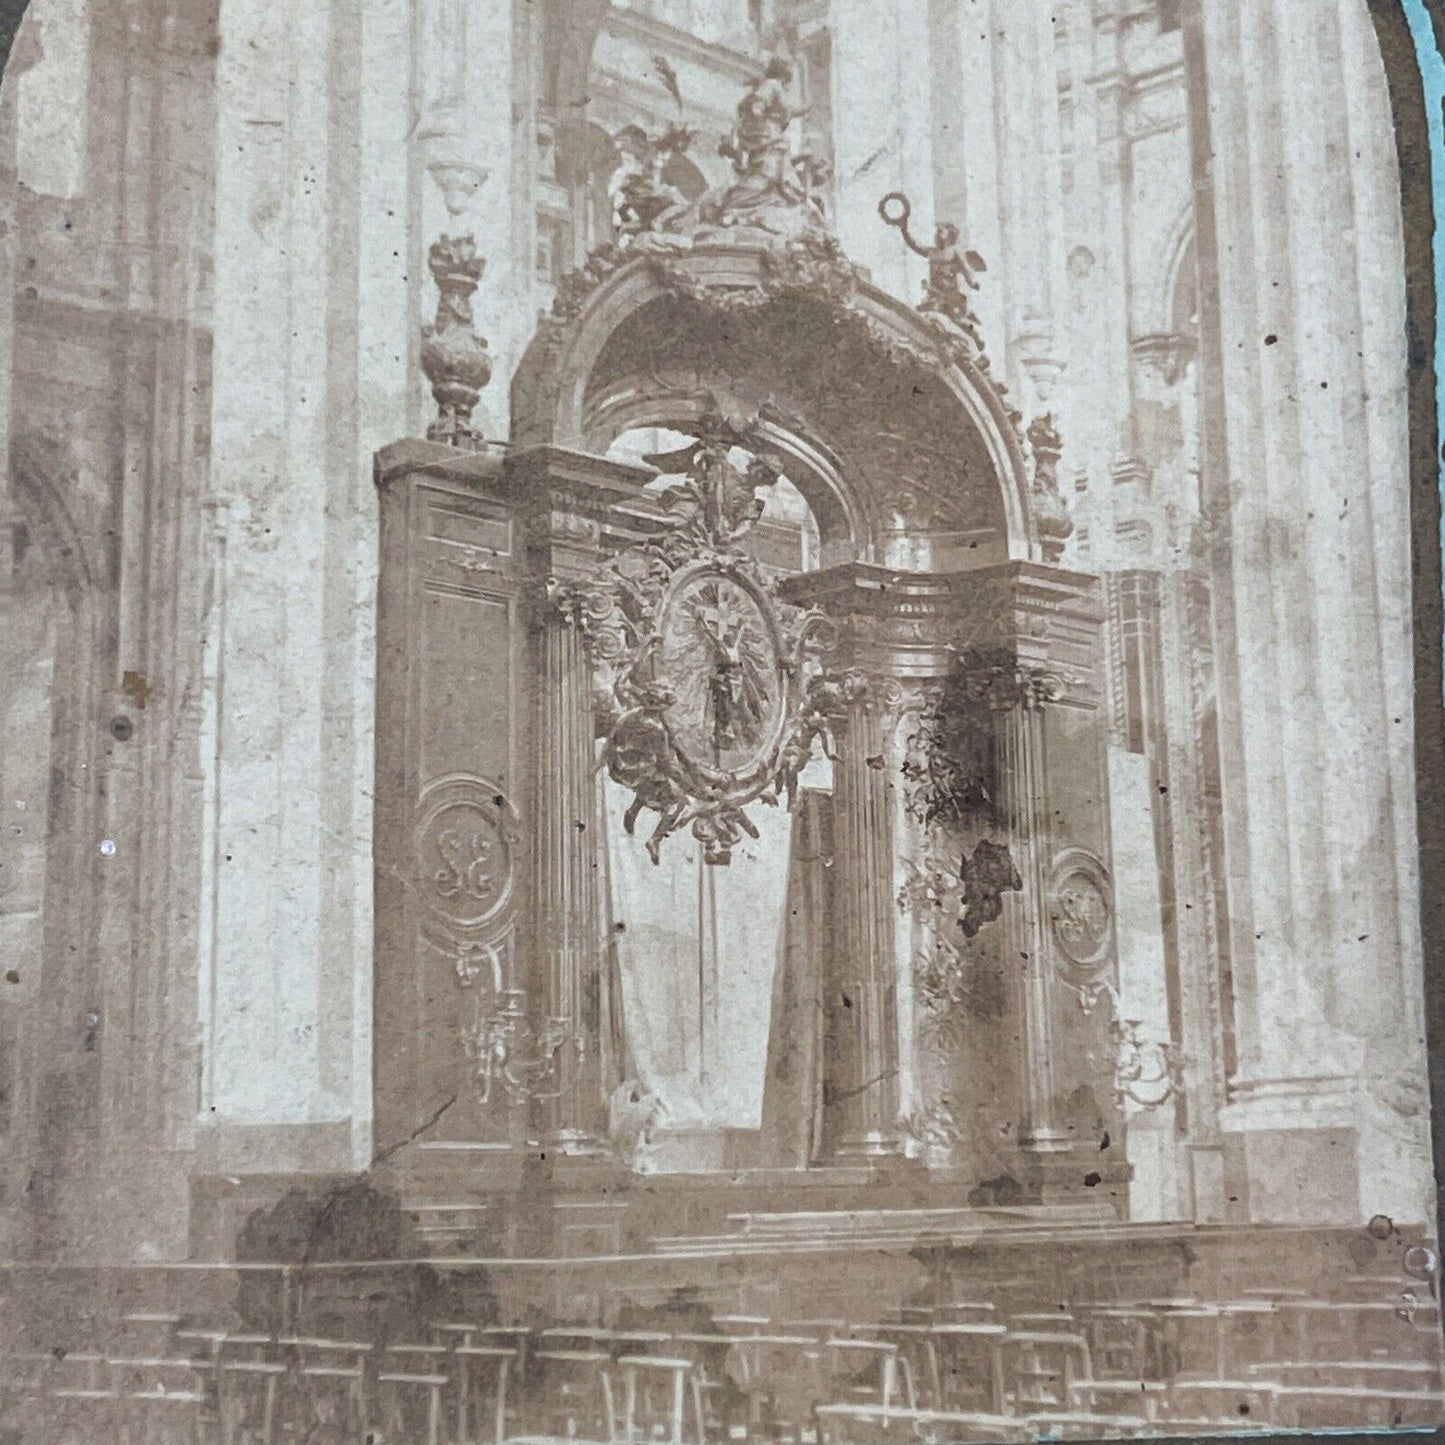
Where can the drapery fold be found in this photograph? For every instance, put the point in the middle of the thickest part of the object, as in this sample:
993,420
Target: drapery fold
697,950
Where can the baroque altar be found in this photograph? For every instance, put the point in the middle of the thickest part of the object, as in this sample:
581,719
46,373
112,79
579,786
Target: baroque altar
554,613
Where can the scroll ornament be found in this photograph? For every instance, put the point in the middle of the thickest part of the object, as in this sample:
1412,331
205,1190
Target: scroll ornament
706,684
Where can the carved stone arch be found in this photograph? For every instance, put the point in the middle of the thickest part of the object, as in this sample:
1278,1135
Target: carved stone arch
1172,268
835,367
807,460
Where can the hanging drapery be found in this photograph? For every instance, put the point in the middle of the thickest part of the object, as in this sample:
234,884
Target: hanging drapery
793,1090
697,949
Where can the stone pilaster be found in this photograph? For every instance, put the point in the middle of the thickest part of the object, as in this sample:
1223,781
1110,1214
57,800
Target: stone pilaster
1301,471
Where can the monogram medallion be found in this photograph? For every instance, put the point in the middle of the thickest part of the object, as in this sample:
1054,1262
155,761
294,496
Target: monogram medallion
1080,910
466,836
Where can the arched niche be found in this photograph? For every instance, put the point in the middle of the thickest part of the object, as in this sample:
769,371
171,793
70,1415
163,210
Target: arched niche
898,437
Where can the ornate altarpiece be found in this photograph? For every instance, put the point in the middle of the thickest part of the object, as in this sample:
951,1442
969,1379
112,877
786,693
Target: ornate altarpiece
941,655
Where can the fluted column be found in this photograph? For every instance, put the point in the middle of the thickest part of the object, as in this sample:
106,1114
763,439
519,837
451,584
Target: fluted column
1017,697
570,945
569,497
863,989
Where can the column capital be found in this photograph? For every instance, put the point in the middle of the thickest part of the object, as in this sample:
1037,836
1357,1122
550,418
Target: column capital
997,680
915,624
1041,623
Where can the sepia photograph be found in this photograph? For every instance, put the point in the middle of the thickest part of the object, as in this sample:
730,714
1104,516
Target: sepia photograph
720,721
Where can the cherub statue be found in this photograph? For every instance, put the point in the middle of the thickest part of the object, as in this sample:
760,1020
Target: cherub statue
715,504
758,142
640,197
953,270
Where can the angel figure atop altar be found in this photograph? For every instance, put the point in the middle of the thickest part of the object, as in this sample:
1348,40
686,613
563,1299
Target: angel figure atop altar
953,269
641,196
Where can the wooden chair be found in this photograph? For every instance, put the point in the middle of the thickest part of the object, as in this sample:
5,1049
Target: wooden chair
155,1415
474,1364
1123,1341
917,1354
241,1345
410,1385
873,1371
159,1396
969,1366
1249,1333
569,1386
1039,1368
249,1391
327,1382
82,1413
1133,1398
639,1373
1192,1343
725,1402
202,1347
782,1377
517,1337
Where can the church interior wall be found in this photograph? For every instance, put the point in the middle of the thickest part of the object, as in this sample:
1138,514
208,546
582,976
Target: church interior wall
216,317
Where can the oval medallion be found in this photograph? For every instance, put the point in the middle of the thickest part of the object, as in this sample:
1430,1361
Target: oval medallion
1080,910
718,654
465,834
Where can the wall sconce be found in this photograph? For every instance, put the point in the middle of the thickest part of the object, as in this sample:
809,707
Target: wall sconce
1147,1071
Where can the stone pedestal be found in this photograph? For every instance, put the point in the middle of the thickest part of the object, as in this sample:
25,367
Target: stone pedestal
1029,640
1010,654
488,994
